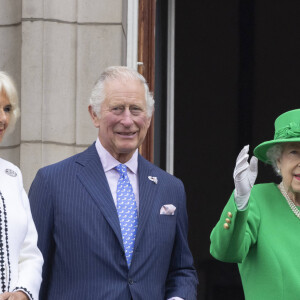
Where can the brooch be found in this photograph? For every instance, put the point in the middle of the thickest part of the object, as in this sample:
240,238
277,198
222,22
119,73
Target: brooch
10,172
152,178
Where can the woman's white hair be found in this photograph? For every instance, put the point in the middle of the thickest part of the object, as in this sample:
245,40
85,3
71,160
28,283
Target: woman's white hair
273,154
7,87
119,73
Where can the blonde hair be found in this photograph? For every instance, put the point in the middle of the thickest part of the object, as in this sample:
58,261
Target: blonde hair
7,86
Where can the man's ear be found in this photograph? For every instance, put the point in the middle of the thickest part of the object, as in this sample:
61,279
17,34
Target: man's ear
150,119
94,117
149,122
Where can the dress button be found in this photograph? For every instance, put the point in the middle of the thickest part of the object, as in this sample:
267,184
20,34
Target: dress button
228,220
130,281
226,226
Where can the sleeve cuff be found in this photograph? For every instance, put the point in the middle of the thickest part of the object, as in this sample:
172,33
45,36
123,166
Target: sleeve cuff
24,290
241,201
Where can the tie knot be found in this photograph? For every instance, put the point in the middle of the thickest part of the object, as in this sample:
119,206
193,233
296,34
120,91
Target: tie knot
122,169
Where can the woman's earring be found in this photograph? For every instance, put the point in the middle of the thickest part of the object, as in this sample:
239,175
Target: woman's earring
278,171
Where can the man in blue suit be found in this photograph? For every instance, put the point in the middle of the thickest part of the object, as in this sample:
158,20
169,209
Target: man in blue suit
112,225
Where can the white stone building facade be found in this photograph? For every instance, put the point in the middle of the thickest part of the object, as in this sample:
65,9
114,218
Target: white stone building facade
55,50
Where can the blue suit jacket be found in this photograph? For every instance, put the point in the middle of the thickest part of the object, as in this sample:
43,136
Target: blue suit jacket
80,235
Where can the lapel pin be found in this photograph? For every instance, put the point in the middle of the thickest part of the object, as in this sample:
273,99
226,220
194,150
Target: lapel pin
154,179
10,172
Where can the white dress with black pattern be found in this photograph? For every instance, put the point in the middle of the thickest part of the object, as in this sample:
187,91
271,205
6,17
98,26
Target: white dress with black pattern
20,259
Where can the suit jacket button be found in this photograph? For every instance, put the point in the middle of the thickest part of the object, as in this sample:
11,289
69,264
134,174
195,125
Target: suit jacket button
130,281
229,214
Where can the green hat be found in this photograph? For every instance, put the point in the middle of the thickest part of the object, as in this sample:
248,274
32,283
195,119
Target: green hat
287,129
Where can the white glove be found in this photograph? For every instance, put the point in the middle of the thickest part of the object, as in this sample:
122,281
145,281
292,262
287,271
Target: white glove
244,176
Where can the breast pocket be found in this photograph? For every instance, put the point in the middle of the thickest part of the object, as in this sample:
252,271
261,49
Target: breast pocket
166,229
165,219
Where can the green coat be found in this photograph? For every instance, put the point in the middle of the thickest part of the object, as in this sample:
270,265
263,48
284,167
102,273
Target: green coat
264,240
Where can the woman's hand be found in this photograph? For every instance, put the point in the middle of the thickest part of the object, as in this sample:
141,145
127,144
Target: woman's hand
244,176
19,295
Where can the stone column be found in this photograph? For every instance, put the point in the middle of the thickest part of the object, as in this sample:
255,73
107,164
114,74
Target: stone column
10,62
65,46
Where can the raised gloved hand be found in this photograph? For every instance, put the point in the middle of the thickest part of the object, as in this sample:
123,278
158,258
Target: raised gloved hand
244,176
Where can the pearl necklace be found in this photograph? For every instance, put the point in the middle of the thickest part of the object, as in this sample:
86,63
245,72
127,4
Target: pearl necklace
289,201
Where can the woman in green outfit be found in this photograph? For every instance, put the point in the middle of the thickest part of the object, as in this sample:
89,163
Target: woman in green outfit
260,226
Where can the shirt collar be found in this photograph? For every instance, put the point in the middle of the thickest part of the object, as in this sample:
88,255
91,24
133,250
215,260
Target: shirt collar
109,162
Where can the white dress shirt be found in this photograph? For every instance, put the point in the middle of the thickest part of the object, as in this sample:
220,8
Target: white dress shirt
112,175
109,163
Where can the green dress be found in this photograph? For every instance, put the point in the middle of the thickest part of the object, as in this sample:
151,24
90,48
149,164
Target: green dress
264,239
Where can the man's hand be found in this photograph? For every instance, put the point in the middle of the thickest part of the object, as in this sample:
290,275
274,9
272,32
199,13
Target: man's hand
244,176
19,295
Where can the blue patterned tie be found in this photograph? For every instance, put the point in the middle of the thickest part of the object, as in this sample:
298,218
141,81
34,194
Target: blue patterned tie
127,211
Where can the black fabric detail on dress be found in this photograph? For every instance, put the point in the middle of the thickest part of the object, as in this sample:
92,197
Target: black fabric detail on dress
20,288
4,235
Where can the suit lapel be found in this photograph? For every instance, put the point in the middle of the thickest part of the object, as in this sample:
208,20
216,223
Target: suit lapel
147,192
92,176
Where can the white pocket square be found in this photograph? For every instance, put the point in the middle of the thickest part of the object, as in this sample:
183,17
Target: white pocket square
168,209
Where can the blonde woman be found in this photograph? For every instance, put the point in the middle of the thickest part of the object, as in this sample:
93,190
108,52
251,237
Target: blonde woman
20,259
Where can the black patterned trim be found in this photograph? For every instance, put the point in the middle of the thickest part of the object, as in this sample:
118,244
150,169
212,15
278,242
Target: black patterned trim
2,257
20,288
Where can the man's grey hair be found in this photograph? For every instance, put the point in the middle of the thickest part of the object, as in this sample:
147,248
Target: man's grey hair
273,154
7,87
118,73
